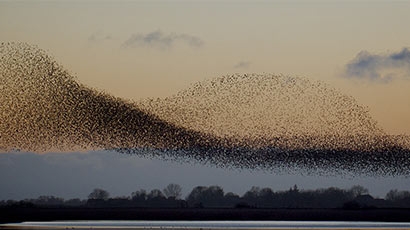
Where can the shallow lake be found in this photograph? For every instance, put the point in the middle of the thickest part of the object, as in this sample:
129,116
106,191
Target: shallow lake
206,225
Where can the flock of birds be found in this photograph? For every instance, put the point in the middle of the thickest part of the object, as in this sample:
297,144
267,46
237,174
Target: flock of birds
264,121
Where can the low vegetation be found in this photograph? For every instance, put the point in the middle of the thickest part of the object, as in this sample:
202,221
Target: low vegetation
356,197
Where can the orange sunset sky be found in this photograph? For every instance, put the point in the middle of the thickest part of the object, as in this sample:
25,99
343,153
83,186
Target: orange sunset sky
140,49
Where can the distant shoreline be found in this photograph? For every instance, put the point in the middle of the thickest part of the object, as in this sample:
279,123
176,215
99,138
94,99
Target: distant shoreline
208,225
21,214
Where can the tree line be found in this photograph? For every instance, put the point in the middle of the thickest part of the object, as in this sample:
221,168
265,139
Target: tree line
356,197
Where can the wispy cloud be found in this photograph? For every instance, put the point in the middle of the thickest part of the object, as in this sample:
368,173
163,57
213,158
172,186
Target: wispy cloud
161,40
242,65
379,68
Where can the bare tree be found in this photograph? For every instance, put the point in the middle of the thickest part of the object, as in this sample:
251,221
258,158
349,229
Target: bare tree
358,190
98,194
395,195
173,190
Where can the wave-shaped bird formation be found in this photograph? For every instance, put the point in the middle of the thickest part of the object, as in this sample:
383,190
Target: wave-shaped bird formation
263,107
263,121
44,108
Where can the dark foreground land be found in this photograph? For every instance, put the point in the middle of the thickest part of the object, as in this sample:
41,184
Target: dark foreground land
20,214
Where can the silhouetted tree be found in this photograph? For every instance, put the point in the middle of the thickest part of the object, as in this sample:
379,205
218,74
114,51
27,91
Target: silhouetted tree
206,196
214,196
251,197
261,197
155,194
266,193
358,190
231,195
253,193
392,195
48,201
294,189
231,200
98,194
333,197
399,198
139,195
292,198
11,202
173,190
194,198
395,195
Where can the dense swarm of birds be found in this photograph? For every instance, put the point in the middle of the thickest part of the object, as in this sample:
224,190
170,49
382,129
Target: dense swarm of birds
43,108
265,108
264,121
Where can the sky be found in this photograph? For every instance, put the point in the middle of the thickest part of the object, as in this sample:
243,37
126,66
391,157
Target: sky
148,49
75,175
140,49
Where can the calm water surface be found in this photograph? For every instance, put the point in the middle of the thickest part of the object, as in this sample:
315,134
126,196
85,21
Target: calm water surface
208,225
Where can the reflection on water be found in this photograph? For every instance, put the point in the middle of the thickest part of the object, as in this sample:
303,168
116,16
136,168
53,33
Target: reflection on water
209,225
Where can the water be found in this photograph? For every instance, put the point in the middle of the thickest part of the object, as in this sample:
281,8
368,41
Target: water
209,225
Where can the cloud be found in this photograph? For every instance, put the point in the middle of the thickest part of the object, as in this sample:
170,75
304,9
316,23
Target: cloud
161,40
242,65
379,68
